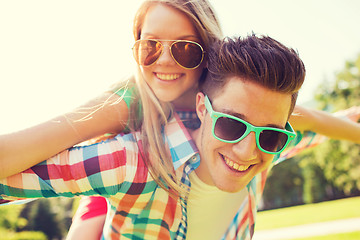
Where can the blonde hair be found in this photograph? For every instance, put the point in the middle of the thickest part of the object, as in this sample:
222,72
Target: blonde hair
155,112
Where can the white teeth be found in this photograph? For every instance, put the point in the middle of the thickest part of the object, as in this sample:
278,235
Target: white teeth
167,77
236,166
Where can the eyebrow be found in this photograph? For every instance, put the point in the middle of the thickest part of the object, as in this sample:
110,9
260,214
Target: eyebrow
243,117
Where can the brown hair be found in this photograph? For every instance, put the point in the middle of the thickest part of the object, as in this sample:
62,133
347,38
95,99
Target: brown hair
259,59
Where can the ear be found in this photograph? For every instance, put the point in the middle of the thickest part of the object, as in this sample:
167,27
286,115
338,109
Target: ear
200,106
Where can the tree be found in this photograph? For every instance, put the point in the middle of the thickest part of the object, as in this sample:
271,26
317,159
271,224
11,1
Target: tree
44,220
11,221
50,216
340,160
284,186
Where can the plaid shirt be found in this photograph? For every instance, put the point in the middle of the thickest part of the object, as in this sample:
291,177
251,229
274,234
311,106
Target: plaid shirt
139,208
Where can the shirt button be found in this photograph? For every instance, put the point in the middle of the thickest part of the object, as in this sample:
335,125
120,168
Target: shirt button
193,158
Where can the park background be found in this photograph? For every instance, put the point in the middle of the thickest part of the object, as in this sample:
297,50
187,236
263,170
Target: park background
56,55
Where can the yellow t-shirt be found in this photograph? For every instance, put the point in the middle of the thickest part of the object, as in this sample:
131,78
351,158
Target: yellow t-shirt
210,210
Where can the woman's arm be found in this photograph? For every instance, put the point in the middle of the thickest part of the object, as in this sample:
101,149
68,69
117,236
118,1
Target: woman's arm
315,126
77,171
341,126
26,148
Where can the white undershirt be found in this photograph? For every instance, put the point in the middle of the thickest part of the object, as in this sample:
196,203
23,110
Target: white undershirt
210,210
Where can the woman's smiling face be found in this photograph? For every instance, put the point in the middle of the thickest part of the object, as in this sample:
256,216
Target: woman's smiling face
167,79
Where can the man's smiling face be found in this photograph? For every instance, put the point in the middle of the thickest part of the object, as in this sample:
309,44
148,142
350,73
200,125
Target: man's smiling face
231,166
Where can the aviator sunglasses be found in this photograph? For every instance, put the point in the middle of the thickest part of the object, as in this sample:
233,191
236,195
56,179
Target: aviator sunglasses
230,129
187,54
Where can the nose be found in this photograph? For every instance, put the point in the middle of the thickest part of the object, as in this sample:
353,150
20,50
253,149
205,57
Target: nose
246,149
166,58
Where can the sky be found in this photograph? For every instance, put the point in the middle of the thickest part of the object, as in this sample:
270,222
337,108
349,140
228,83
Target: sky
56,55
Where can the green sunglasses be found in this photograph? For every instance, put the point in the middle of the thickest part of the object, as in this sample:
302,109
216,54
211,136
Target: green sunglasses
230,129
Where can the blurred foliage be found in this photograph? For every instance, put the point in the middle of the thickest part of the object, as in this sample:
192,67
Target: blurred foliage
280,193
11,221
340,160
42,218
345,92
330,170
39,219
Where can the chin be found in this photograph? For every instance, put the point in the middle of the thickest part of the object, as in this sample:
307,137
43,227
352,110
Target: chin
165,98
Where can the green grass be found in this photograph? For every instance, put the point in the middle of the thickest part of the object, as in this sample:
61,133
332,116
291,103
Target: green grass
309,213
340,236
11,235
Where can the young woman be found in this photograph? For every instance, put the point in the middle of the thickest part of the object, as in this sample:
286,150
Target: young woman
186,28
171,40
170,76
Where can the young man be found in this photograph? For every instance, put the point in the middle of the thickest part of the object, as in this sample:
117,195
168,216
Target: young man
243,107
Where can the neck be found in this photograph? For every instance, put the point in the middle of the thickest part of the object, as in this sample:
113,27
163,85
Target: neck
185,101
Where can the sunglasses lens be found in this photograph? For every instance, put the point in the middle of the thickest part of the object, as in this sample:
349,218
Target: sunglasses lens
229,129
272,141
187,54
146,52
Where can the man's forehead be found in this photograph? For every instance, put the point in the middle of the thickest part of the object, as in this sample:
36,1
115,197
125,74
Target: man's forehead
252,102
